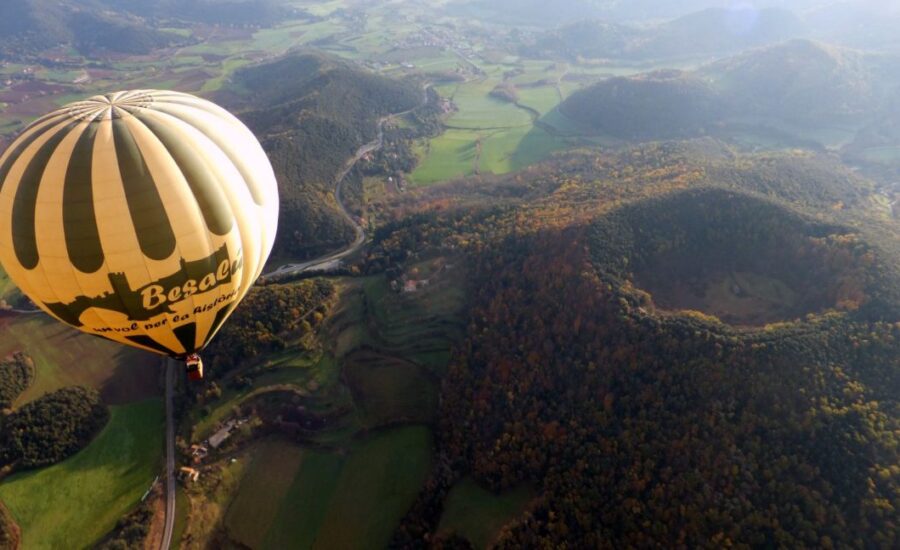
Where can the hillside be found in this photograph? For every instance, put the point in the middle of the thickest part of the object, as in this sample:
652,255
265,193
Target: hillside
590,38
710,32
312,112
652,106
798,82
698,346
718,31
29,26
228,12
839,22
529,12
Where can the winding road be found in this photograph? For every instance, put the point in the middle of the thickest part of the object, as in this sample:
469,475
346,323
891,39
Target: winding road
333,259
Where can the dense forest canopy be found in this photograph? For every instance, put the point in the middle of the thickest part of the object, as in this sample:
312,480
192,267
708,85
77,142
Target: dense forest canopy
16,375
265,316
51,428
778,435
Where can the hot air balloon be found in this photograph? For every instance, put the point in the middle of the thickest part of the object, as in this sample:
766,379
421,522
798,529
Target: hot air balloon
142,217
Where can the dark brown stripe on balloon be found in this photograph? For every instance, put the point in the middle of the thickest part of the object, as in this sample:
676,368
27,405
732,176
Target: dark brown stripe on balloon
79,217
246,175
187,336
148,214
206,190
20,148
25,203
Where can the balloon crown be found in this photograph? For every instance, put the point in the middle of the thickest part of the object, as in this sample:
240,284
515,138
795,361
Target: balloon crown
101,107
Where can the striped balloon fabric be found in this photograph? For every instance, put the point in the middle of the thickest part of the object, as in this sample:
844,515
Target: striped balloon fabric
142,216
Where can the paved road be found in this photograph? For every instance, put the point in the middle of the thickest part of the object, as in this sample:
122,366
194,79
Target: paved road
333,259
171,369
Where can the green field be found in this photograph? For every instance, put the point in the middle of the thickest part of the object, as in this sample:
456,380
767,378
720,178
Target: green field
298,498
478,110
477,514
541,99
512,150
262,491
455,153
76,502
63,357
377,485
448,156
388,390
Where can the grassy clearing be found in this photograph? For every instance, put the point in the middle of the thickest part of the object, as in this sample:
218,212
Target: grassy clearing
542,99
64,357
387,390
74,503
182,506
449,156
262,491
478,110
515,149
291,497
207,512
306,502
377,485
477,514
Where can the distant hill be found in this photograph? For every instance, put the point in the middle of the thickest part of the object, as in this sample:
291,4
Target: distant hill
33,25
843,22
799,82
237,12
122,26
718,31
590,38
530,12
652,106
312,112
710,32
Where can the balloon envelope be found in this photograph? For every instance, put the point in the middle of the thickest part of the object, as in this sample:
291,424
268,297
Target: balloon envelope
143,217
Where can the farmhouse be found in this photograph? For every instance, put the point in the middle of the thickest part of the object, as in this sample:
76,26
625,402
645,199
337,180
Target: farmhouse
189,474
220,436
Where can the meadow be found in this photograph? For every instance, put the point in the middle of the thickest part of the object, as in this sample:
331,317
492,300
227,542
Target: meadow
76,502
64,357
478,514
290,496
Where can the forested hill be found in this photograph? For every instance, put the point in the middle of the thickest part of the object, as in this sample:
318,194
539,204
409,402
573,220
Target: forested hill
677,346
229,12
29,26
121,26
799,82
709,32
653,106
312,112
